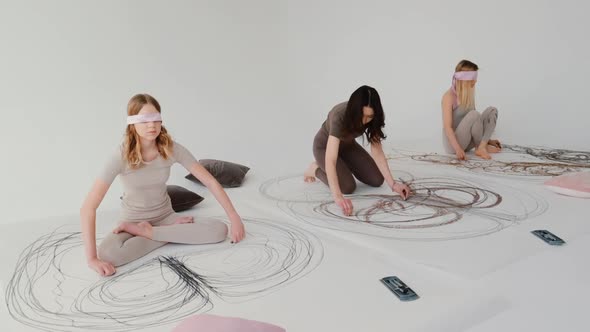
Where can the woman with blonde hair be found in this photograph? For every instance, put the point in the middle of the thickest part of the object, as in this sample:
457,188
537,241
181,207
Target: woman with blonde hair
148,222
463,127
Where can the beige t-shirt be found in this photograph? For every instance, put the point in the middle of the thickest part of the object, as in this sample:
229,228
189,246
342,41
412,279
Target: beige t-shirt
145,193
334,124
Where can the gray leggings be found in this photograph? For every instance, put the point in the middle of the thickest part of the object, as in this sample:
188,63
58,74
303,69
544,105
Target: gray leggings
122,248
352,160
473,129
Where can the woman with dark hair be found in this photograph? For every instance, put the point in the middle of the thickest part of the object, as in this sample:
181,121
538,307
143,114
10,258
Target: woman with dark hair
338,157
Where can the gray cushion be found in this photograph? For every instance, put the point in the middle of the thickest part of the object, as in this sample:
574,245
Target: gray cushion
182,198
228,174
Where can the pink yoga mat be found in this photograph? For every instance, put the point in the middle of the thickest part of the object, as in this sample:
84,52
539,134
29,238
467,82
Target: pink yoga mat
212,323
571,184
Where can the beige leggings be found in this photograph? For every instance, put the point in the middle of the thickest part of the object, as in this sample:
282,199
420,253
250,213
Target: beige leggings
122,248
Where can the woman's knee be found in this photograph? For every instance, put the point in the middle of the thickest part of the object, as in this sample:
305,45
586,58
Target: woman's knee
492,109
490,112
218,231
472,116
348,187
376,180
109,252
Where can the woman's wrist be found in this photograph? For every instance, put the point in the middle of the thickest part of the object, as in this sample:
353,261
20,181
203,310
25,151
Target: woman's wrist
234,217
392,183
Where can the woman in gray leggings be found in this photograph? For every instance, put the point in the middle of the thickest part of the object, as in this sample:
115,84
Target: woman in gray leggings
338,157
148,222
463,127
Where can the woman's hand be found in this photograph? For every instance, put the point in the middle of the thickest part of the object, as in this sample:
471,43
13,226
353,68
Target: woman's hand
345,204
237,231
101,267
402,189
460,154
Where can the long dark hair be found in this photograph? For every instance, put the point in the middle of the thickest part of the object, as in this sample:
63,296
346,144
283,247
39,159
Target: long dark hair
353,117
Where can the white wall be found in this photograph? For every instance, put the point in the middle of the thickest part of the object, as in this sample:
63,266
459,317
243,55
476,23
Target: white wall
68,69
534,62
250,81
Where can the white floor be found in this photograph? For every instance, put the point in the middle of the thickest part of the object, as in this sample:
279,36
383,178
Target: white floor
475,268
251,82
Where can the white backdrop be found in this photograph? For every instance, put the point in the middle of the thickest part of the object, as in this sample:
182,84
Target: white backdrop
69,68
252,81
532,56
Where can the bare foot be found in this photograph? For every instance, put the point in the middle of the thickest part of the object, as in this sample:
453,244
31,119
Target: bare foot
496,143
184,220
482,153
309,175
492,149
143,229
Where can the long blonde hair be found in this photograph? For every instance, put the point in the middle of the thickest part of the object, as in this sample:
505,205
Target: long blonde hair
464,89
131,147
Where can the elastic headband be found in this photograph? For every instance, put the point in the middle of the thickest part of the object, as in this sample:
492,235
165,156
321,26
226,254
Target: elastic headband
461,76
465,75
147,117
